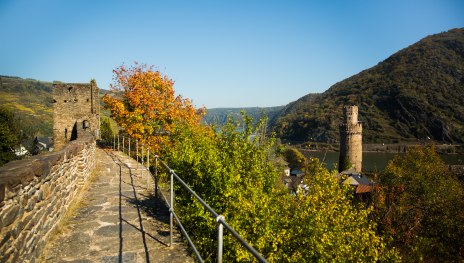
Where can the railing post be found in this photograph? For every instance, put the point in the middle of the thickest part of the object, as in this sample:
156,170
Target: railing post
148,167
118,142
156,175
171,209
141,173
114,141
129,145
137,151
122,144
220,238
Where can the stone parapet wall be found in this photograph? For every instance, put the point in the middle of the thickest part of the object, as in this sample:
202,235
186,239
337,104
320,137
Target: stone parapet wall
35,193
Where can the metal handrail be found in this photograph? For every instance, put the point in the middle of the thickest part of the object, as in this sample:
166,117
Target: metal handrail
172,215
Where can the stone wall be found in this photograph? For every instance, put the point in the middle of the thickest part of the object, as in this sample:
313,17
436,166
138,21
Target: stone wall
72,103
35,194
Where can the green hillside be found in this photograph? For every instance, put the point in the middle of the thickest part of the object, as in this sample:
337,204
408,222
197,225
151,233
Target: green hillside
415,94
31,101
219,116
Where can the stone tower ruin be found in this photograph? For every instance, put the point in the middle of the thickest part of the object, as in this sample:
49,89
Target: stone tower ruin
350,140
75,107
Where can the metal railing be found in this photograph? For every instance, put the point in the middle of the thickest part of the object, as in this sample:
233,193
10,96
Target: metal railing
221,222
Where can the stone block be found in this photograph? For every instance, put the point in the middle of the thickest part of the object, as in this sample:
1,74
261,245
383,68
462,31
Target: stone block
19,240
30,243
19,226
6,236
45,188
9,214
12,191
2,192
30,204
35,220
23,200
31,223
20,213
53,159
31,191
8,255
39,194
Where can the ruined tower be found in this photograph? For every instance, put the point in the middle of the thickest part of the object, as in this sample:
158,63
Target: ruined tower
75,107
350,140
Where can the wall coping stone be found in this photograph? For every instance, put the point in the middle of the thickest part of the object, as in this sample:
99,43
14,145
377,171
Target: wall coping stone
24,171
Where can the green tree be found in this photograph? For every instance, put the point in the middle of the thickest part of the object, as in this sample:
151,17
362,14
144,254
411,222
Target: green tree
420,207
295,159
9,136
106,130
235,176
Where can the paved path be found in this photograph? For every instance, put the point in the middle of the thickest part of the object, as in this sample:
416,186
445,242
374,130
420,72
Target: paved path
118,221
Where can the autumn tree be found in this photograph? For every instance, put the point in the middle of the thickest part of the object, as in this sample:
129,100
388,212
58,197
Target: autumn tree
144,104
420,207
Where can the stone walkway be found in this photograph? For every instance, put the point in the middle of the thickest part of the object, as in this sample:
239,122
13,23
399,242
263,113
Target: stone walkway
118,220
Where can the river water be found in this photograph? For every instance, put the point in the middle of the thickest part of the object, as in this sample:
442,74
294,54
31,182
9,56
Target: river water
373,161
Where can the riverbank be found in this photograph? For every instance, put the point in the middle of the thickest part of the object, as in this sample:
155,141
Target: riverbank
385,148
377,161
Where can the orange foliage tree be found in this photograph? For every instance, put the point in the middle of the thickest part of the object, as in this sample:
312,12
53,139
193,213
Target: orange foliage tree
144,104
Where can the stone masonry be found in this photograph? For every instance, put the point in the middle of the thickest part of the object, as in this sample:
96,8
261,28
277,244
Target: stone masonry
74,103
118,219
350,140
35,194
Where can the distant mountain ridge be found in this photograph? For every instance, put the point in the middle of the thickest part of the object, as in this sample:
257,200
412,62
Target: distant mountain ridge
220,116
415,94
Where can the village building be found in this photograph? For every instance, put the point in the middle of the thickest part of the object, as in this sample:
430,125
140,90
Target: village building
43,144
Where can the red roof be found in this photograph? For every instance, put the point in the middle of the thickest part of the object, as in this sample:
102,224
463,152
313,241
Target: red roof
362,188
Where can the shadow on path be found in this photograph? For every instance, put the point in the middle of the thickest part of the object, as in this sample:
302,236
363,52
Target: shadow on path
149,204
119,220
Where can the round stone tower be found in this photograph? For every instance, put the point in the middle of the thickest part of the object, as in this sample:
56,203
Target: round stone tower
350,140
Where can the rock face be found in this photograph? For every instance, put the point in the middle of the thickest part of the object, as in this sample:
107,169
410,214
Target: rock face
73,103
36,192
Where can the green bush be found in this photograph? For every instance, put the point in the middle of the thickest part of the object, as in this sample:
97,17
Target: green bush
237,177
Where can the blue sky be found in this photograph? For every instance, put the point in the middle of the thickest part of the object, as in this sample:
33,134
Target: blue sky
219,53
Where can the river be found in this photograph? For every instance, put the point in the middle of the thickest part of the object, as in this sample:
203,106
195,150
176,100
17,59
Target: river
373,161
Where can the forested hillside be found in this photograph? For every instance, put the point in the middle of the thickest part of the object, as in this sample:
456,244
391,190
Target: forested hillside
219,116
417,93
31,101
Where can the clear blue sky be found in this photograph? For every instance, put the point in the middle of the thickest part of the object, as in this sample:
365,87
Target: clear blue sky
219,53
